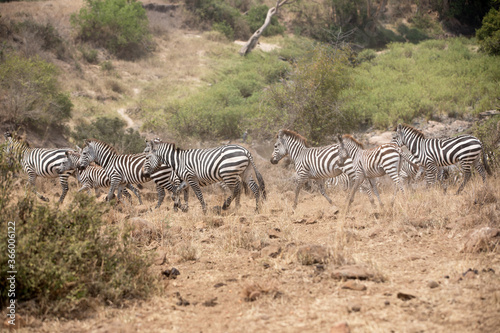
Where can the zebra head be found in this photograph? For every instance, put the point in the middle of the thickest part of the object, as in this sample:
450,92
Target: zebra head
87,156
150,143
397,138
153,161
280,149
69,163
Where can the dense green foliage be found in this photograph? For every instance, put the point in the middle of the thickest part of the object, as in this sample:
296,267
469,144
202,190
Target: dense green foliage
121,26
112,131
66,259
488,35
31,92
430,79
255,18
308,101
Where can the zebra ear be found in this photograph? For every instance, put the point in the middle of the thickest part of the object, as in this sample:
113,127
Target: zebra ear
340,138
87,141
398,128
78,149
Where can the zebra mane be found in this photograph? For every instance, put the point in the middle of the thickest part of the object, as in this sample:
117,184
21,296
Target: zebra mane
350,137
294,135
412,129
111,148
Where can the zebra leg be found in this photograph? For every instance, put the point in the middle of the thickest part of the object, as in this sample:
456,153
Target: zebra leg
125,193
300,183
197,190
235,194
185,207
32,183
63,180
161,195
256,192
355,187
480,168
112,188
467,175
373,187
135,191
321,184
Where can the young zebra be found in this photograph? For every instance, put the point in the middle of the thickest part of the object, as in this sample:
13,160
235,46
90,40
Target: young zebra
41,162
371,163
92,177
121,169
318,163
433,153
201,167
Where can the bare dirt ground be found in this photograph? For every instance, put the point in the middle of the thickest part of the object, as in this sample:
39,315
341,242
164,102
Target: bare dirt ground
277,271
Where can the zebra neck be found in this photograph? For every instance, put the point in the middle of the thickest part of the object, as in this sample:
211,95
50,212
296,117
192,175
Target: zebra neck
103,158
294,149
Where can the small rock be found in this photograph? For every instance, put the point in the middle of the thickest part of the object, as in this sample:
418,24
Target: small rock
271,251
432,284
340,327
405,296
470,273
13,324
274,233
171,273
353,285
354,307
210,303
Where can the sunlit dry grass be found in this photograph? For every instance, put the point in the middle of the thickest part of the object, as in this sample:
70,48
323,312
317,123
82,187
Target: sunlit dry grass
244,266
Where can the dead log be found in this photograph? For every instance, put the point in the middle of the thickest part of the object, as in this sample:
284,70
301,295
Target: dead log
252,42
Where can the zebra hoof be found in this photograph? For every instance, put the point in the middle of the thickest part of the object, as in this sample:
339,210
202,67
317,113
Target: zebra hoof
184,208
44,199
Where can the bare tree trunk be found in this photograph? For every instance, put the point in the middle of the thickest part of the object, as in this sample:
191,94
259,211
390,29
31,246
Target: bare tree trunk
252,42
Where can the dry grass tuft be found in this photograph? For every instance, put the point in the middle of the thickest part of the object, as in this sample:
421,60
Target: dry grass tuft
253,290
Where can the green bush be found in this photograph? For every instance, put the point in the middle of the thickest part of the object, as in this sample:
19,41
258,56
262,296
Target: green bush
32,94
112,131
121,26
488,35
309,101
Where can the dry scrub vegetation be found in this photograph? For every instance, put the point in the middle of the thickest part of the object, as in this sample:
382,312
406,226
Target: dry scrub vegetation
285,270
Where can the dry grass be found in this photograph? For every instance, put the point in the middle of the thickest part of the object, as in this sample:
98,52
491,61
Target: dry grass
243,267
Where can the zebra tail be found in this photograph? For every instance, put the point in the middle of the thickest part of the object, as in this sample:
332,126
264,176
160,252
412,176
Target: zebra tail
486,165
139,186
260,180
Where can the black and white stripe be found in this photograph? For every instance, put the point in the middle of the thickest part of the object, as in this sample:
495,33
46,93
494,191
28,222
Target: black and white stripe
92,177
371,163
465,150
121,169
201,167
42,162
318,163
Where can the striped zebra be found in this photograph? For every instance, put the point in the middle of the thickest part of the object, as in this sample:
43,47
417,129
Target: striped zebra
371,163
39,162
92,177
121,169
434,153
318,163
201,167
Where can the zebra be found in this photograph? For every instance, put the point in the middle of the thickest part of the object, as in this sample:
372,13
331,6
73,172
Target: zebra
92,177
371,163
201,167
41,162
318,163
434,153
120,168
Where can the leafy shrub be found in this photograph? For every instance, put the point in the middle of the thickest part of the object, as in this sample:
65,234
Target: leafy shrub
90,55
488,35
121,26
31,92
366,55
67,258
309,102
224,29
112,131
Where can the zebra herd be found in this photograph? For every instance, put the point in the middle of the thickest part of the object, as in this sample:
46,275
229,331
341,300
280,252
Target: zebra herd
99,165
